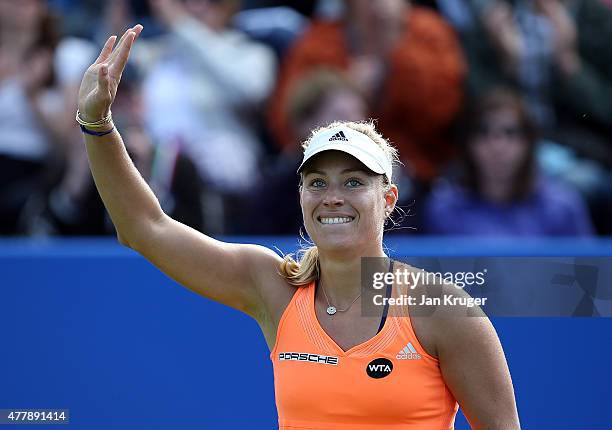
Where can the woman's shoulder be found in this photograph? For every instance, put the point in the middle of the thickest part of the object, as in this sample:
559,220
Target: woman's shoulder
275,290
437,307
422,283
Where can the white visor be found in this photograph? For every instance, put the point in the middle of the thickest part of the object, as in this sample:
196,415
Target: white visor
352,142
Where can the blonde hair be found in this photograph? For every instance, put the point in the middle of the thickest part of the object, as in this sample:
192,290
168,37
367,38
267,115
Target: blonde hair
305,269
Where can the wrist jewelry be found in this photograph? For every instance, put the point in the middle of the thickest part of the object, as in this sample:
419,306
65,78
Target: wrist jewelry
97,128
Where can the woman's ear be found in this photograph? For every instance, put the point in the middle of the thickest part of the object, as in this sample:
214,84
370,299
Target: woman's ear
391,196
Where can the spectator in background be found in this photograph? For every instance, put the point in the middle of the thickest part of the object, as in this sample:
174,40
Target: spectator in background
556,53
499,191
317,99
405,59
203,85
29,103
273,23
583,78
73,207
80,18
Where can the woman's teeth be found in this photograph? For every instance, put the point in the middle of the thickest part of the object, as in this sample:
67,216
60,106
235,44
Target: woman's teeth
336,220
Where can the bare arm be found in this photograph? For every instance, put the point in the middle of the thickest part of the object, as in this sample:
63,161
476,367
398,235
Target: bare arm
474,368
227,273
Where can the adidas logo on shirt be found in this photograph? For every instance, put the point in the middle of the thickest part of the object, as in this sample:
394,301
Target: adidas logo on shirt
408,353
338,136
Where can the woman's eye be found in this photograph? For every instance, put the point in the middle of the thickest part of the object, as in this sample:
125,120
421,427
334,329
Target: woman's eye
317,183
353,182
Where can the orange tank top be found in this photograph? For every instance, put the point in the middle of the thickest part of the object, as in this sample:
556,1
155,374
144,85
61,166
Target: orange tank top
386,382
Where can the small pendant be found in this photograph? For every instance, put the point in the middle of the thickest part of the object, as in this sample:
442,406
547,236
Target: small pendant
331,310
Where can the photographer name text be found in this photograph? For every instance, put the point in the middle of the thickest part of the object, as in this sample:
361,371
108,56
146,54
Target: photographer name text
445,300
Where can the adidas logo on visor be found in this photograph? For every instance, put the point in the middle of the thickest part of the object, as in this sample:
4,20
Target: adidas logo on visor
338,136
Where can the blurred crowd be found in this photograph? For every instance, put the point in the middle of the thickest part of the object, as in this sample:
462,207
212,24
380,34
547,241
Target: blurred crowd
501,110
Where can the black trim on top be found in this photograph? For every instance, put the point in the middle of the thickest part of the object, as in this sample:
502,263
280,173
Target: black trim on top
387,295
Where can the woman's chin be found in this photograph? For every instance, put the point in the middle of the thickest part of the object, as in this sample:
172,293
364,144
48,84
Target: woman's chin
337,243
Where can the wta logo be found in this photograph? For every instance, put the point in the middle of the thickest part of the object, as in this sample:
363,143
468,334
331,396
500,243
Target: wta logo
379,368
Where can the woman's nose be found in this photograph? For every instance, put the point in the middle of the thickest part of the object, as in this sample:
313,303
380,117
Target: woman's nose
332,198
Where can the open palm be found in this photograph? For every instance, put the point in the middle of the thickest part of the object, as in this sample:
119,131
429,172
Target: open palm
101,80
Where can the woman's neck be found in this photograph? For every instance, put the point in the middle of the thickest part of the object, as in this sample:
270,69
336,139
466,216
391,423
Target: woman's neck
341,277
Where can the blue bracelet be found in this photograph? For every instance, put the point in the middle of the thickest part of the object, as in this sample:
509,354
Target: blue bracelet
96,133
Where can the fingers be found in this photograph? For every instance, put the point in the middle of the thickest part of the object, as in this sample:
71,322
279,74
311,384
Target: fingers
121,55
120,42
106,50
103,81
136,30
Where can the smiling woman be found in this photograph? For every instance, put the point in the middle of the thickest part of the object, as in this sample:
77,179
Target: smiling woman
362,164
334,367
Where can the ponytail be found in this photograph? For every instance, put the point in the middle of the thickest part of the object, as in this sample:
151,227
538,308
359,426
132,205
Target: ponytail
303,271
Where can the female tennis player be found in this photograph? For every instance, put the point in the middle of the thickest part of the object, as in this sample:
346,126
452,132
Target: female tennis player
333,367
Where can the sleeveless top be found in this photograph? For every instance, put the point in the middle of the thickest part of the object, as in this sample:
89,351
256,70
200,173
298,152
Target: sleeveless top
389,381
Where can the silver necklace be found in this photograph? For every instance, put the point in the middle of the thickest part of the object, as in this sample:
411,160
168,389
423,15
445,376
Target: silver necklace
332,309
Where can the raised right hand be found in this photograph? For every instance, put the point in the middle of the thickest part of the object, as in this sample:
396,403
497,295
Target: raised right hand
101,80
